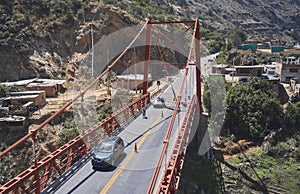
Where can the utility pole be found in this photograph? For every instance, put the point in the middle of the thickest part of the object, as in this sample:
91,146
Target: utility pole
127,66
92,50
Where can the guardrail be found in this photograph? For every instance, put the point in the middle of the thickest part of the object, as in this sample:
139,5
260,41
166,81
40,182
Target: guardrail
170,179
157,92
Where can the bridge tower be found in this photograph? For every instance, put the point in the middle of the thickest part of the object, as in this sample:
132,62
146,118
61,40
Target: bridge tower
198,65
147,57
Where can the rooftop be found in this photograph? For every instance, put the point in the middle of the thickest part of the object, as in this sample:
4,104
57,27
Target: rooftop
133,77
249,67
26,92
29,81
54,81
21,97
41,84
220,65
19,83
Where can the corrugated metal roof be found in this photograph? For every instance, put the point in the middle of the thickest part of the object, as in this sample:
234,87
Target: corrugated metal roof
133,77
249,67
19,83
29,81
26,92
21,97
56,81
41,84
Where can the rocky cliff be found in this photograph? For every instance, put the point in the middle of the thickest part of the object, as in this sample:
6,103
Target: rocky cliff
41,38
48,38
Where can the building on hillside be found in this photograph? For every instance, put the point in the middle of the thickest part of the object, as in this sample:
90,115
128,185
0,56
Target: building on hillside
294,82
22,103
249,46
12,128
219,68
51,87
37,97
251,71
277,49
132,81
59,83
288,68
264,45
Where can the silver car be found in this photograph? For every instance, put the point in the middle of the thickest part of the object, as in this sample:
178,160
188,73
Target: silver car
107,152
159,103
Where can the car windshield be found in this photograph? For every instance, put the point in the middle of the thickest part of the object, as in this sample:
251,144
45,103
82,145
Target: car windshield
105,148
160,99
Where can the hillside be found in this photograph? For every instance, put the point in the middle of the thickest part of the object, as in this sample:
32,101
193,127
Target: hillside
262,19
41,38
258,15
45,39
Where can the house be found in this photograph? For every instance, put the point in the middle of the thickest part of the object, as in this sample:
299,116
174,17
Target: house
256,70
294,82
264,45
37,97
288,68
12,128
219,68
50,86
249,46
270,70
132,81
22,103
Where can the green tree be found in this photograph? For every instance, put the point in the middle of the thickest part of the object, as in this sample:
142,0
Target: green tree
206,98
68,132
252,109
291,118
238,37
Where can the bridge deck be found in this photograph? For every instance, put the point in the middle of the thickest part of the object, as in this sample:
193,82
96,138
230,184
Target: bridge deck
134,169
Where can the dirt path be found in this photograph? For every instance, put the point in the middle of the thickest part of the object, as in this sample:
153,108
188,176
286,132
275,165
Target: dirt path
249,150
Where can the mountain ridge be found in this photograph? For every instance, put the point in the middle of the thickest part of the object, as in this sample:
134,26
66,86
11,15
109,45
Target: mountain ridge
60,29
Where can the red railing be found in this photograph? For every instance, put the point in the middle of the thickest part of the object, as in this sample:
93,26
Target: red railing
38,176
178,101
170,179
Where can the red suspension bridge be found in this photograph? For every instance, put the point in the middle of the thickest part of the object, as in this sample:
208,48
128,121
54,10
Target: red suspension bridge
168,131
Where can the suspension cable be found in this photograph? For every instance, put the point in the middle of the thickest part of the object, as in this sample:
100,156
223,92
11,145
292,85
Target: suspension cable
173,42
164,65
